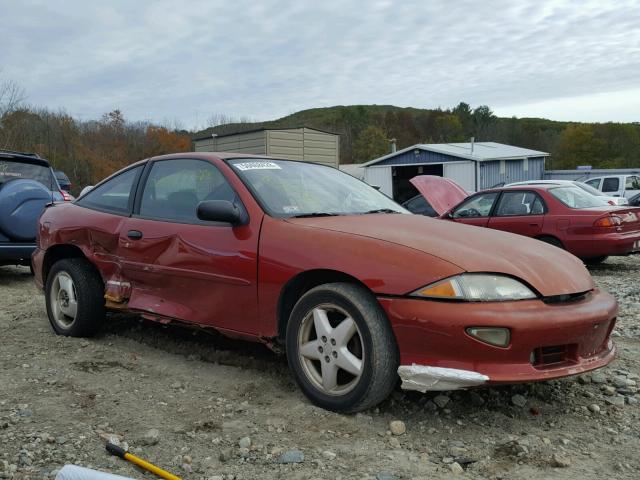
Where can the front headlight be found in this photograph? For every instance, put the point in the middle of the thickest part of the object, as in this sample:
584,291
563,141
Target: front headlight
476,287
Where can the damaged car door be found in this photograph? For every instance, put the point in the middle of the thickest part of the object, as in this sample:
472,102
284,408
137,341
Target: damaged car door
180,266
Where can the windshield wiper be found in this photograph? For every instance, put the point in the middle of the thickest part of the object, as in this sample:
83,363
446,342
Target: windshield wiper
315,214
381,210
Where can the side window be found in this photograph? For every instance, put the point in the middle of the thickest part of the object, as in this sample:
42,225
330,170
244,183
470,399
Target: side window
477,206
633,183
420,206
611,185
115,195
595,183
174,188
519,203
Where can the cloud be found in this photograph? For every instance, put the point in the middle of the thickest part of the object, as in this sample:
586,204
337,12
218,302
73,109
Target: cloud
167,60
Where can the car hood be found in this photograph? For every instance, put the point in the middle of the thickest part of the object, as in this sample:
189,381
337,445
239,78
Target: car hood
548,269
442,193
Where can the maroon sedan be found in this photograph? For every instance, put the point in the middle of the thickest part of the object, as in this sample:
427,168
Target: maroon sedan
356,289
564,216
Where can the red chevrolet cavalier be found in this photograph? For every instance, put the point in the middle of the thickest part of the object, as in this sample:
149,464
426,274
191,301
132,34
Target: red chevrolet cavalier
356,288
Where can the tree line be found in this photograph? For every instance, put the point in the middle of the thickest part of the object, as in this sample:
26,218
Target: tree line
89,150
367,130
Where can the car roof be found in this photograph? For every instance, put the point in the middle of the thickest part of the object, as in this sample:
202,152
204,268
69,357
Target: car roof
222,156
621,175
543,186
33,158
541,182
211,155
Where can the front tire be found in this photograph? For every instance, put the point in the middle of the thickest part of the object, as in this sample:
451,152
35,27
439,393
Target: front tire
341,348
75,298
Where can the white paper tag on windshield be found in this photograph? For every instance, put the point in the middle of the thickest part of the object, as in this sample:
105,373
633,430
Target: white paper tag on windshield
257,166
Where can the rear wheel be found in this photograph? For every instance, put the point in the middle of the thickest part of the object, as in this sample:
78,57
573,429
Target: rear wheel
75,298
341,349
552,241
595,260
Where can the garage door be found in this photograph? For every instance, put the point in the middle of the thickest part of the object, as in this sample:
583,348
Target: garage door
463,173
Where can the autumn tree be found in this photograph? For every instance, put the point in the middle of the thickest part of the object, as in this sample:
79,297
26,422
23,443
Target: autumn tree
578,145
465,114
483,118
448,128
371,143
11,96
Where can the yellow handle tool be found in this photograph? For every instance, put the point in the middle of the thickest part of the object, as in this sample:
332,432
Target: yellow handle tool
130,457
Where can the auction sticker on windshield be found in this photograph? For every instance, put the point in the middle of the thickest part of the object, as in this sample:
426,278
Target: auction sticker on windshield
257,166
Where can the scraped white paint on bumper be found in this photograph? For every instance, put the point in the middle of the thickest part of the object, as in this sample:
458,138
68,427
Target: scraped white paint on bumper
424,378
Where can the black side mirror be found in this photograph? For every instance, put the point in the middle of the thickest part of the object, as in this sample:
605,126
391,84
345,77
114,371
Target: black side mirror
221,211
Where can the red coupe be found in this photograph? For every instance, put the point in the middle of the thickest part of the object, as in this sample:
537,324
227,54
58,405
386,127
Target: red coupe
357,290
561,215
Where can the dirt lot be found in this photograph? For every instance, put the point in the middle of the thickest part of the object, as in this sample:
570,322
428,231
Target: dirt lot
187,401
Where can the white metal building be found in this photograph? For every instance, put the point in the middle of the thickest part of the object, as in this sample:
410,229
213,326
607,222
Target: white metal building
474,166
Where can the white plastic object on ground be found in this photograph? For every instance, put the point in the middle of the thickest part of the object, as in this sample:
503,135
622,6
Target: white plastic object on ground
73,472
424,378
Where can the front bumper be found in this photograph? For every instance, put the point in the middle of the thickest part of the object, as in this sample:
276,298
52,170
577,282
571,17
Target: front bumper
547,340
18,253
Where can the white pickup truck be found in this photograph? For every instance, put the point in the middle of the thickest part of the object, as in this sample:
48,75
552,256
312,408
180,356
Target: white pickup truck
617,185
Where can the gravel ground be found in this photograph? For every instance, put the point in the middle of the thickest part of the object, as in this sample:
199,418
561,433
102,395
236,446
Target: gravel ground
206,407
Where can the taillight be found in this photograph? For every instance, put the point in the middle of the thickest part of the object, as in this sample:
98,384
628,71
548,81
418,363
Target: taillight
65,196
611,202
608,222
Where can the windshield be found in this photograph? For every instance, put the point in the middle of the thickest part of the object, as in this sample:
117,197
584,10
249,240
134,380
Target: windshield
11,169
589,189
574,197
291,189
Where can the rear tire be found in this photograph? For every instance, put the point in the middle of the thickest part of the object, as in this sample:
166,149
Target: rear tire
341,348
595,260
552,241
74,295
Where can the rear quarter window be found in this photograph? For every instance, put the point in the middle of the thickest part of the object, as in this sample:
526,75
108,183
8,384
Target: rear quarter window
115,195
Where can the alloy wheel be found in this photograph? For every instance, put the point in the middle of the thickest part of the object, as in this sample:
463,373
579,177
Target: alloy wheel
63,299
330,349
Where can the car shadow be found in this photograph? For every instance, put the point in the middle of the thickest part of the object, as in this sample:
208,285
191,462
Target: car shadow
209,346
193,342
10,275
617,265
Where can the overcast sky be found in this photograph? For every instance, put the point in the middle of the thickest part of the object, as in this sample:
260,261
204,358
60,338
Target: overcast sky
168,60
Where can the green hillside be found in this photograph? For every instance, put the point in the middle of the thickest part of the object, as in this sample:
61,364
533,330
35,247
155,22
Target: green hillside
365,131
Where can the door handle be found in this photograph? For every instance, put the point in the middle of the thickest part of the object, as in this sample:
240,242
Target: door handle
134,234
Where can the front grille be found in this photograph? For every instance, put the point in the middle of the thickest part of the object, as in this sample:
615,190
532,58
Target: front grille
567,298
554,356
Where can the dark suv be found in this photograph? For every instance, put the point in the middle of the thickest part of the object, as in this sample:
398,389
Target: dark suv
63,180
27,184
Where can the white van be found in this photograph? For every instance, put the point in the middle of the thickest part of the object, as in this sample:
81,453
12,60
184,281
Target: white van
617,185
